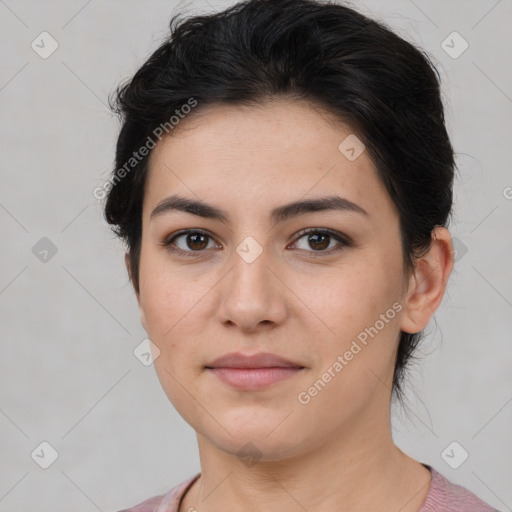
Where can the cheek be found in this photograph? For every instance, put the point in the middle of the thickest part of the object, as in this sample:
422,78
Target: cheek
176,305
169,295
357,310
344,299
172,304
356,362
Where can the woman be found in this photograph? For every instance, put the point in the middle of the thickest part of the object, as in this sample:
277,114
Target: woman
283,183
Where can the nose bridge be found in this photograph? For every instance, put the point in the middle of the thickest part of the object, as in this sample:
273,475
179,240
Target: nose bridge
251,294
250,263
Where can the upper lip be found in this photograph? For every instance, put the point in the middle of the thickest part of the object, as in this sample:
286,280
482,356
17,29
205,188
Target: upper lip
260,360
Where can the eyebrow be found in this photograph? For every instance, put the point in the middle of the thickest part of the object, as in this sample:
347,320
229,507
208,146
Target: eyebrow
279,214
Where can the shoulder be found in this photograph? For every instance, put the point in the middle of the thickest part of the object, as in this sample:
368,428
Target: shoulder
445,496
168,502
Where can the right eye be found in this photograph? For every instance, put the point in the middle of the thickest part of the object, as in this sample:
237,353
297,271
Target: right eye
188,241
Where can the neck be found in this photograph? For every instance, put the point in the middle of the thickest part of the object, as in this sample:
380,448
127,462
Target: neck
352,471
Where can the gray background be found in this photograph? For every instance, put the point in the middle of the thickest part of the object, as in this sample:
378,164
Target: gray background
69,325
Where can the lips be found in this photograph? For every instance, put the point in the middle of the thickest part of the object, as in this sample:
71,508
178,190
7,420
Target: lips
246,361
252,372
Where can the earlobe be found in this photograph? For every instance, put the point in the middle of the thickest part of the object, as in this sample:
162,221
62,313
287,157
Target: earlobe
427,283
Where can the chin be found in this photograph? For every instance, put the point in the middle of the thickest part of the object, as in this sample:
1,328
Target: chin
272,439
251,449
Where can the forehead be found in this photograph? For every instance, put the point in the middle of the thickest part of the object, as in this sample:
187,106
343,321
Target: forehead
254,158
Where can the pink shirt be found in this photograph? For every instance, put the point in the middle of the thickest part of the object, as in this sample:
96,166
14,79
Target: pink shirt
443,496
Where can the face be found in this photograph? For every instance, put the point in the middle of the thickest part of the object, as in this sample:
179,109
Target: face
321,288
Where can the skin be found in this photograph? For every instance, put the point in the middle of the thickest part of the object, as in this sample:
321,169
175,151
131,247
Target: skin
335,452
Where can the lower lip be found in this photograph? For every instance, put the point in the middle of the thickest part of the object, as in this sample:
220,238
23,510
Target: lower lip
254,378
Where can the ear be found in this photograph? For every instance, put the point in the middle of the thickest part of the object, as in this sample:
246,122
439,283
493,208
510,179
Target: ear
137,294
428,282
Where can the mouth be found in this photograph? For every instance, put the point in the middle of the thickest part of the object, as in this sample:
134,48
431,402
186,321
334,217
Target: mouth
253,372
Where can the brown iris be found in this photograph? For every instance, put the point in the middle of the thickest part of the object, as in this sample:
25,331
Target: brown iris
314,242
197,241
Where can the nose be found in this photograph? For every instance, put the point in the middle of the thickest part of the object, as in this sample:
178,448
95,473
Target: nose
252,297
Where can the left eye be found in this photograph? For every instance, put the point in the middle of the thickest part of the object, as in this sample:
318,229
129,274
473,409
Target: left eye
320,240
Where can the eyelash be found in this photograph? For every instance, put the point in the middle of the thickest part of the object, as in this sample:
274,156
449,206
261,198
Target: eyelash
343,240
